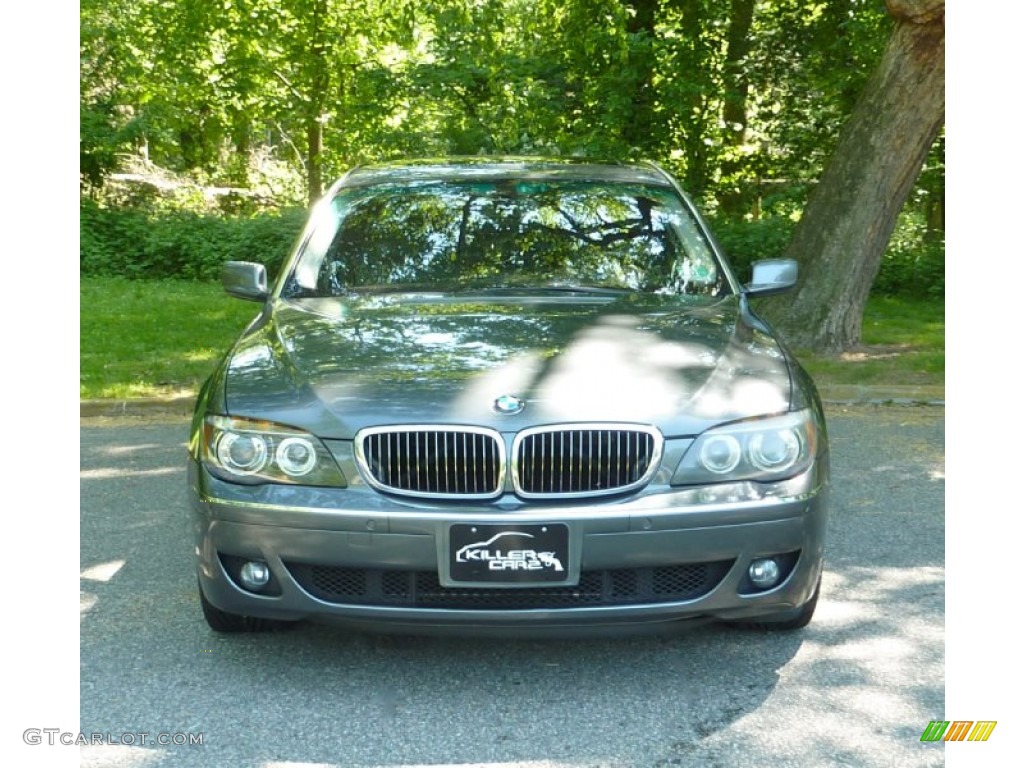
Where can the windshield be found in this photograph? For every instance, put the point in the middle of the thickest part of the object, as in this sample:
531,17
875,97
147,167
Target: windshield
506,234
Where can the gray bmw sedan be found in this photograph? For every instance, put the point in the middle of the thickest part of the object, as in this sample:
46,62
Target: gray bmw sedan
508,395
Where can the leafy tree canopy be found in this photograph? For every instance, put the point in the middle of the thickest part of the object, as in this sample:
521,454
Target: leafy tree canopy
744,100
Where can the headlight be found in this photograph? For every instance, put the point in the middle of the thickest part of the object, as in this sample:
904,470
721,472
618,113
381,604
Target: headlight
761,449
720,454
242,454
250,451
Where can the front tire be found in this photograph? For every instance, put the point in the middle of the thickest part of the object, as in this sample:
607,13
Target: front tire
789,620
222,621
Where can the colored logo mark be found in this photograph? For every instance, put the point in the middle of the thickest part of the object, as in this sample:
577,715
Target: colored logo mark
958,730
509,404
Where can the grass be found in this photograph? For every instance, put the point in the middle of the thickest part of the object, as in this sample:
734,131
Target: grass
163,337
903,345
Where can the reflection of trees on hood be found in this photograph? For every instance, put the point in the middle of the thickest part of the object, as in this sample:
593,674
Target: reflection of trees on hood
429,340
677,362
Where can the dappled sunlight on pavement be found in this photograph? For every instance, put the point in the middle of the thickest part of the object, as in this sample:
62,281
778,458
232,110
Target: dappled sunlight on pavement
106,473
869,673
866,680
120,756
474,764
102,571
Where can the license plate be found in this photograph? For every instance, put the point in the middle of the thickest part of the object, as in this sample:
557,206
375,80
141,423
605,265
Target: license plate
513,554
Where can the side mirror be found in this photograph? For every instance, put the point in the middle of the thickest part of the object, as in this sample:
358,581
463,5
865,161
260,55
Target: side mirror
245,280
772,276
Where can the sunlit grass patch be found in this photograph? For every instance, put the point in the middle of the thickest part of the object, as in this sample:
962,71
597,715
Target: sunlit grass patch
160,337
903,344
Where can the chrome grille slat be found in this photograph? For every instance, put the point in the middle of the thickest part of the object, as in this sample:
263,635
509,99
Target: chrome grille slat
473,462
437,465
408,468
578,460
432,461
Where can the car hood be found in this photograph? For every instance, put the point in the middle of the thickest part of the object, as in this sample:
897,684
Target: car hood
334,366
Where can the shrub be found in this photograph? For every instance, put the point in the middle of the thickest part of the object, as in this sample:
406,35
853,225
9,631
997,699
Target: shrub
147,243
913,265
745,242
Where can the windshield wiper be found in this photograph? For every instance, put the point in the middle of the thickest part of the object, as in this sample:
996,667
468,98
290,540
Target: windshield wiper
604,290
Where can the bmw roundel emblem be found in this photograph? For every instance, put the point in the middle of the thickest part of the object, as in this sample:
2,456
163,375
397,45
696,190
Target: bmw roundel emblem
509,404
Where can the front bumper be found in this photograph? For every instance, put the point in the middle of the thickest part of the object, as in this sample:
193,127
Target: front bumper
363,558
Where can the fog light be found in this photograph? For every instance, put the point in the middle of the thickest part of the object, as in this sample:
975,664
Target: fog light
254,575
764,573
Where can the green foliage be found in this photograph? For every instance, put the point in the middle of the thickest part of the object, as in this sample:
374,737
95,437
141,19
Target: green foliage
152,241
743,100
99,143
748,241
915,261
224,89
147,243
913,265
806,68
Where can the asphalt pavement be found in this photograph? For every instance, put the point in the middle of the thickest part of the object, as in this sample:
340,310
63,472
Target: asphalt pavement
857,687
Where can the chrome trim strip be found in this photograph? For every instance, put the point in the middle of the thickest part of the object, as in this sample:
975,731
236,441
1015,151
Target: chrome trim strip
530,514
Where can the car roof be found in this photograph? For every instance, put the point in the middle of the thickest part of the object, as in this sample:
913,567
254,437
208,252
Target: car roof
498,168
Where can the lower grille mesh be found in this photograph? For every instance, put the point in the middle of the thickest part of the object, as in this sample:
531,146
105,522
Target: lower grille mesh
421,589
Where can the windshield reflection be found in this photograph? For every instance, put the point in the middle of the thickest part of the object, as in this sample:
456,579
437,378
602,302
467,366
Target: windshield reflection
497,233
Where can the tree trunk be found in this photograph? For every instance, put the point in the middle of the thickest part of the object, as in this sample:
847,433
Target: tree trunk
641,29
318,81
936,214
734,100
734,107
314,148
852,212
693,107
